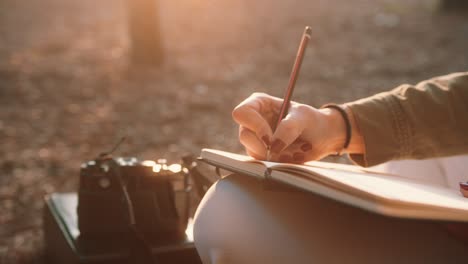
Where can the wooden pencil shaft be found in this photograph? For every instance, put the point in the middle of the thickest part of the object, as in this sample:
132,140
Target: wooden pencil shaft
293,77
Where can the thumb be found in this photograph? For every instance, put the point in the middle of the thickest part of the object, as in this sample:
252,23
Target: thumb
288,130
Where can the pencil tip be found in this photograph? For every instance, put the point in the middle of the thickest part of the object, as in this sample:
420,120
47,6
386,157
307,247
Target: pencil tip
308,31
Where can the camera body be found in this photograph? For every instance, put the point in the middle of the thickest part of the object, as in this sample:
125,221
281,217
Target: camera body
152,187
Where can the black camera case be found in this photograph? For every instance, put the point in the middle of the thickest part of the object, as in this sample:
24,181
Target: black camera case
103,213
125,211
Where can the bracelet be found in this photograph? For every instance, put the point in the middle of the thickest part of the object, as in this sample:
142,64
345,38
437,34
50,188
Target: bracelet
343,113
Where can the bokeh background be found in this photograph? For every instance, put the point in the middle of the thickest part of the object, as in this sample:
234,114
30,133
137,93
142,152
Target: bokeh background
69,89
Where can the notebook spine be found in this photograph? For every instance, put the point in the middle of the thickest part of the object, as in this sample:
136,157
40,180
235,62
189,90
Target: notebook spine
270,184
267,174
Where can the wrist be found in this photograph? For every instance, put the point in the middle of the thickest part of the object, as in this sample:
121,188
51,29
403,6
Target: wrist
343,133
335,129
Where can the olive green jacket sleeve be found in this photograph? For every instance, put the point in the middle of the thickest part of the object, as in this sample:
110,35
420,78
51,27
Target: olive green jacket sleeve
414,122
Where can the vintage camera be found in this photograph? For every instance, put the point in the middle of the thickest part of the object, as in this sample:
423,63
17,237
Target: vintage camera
116,191
125,211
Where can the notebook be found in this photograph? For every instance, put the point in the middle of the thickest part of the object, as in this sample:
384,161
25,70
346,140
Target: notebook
385,194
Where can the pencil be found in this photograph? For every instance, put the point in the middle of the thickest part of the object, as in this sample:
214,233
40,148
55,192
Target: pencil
292,80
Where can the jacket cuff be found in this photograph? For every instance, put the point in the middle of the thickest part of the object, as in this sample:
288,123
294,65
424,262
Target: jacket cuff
383,126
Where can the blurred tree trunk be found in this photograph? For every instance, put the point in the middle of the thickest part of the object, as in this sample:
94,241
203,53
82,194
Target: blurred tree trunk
145,37
454,5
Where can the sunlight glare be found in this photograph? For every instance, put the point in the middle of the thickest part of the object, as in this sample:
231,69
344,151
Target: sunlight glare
189,229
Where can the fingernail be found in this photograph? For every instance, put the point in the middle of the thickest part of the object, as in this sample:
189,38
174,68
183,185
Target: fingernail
306,147
277,146
298,157
285,158
266,140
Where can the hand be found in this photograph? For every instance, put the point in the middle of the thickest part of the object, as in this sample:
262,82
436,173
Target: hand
306,133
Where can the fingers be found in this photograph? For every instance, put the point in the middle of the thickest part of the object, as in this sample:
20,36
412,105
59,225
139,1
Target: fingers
252,144
294,153
255,113
254,155
249,118
294,140
289,129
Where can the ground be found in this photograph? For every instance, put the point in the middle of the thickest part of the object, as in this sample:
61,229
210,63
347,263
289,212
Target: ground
69,92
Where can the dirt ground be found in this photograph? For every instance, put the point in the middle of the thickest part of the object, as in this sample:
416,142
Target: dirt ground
68,91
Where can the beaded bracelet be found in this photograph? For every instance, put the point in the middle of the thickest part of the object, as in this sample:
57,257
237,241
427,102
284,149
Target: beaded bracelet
343,113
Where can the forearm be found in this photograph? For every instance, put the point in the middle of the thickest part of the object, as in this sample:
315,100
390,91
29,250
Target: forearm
422,121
